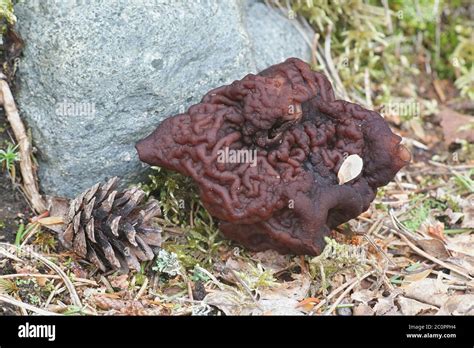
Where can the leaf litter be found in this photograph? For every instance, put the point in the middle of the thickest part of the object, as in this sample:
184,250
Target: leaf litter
411,253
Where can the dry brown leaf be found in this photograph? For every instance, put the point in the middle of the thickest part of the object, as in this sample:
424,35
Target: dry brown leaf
363,309
463,263
281,299
272,260
385,306
228,301
417,127
468,212
57,206
284,298
458,305
454,217
126,307
42,281
409,306
308,303
462,243
434,247
120,281
436,230
453,124
430,291
364,296
415,277
350,169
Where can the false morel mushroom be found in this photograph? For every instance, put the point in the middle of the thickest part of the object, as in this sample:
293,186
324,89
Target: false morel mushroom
265,153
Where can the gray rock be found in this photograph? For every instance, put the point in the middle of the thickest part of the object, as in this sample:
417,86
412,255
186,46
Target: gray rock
98,75
273,38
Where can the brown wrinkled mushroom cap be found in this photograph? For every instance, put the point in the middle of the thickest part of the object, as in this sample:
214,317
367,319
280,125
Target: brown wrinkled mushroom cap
291,198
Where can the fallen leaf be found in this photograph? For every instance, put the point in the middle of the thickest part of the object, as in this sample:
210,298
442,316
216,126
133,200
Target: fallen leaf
431,291
468,212
57,206
281,299
308,303
409,306
434,247
462,243
363,309
350,169
453,124
416,125
228,301
458,305
385,306
465,264
415,277
436,230
120,281
364,296
42,281
454,217
272,260
437,84
130,307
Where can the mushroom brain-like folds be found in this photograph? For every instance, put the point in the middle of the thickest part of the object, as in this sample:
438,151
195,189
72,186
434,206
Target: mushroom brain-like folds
265,152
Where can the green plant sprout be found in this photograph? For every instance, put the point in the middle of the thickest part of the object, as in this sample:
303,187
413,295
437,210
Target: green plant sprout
8,158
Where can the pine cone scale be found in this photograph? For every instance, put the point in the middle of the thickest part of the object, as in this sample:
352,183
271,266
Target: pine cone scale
79,243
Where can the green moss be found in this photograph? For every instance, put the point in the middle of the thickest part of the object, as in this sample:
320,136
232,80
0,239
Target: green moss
7,17
362,41
337,258
181,207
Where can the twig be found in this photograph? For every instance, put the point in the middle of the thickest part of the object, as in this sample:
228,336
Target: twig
50,276
12,301
371,242
331,67
314,49
323,278
23,311
35,228
142,289
51,295
6,253
190,291
430,257
30,185
368,97
388,17
107,284
345,292
401,233
72,291
331,295
211,276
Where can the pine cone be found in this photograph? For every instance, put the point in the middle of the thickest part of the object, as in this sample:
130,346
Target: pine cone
110,228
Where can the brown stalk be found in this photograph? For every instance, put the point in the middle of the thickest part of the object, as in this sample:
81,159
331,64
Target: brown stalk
30,185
